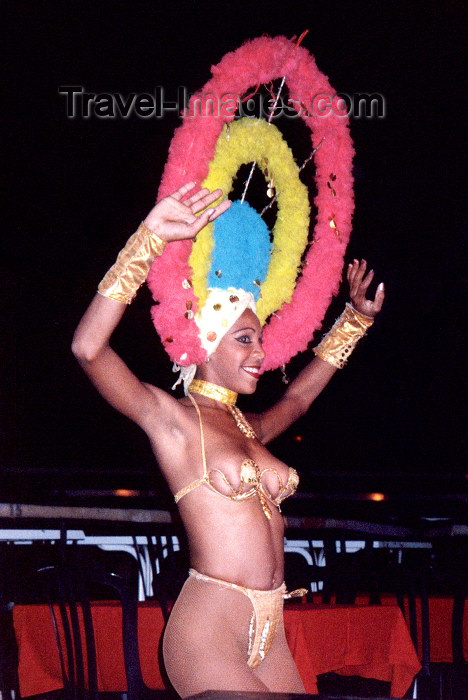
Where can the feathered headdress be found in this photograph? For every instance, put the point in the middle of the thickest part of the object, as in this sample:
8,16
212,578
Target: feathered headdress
290,275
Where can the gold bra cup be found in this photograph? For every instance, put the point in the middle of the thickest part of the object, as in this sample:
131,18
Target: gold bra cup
250,476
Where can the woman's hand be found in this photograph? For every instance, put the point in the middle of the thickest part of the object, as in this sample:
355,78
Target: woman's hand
173,219
358,285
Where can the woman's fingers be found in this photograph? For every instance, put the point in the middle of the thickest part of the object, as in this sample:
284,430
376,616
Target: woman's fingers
353,270
359,283
190,201
379,297
206,198
209,215
220,209
174,218
178,194
356,271
364,284
199,201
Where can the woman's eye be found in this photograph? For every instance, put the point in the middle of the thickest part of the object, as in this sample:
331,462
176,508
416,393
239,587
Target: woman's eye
244,339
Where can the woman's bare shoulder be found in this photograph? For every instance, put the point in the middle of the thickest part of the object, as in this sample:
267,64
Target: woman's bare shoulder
173,431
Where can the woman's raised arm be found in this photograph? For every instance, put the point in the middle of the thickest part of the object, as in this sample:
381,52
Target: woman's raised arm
331,354
173,218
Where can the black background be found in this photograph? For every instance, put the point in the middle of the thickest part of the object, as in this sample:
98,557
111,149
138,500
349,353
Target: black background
76,189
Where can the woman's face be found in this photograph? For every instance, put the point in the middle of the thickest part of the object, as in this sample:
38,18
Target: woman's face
236,362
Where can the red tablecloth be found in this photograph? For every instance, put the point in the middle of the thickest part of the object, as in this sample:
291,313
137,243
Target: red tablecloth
371,641
440,625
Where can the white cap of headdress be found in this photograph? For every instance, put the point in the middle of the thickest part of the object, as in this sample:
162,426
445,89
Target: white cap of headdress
221,310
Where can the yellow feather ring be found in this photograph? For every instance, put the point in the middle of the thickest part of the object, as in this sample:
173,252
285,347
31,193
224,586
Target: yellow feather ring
255,140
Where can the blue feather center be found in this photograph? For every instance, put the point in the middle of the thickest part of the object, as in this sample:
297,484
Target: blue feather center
242,248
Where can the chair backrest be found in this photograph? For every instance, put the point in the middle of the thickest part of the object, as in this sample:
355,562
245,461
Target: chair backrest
458,616
332,573
69,590
169,559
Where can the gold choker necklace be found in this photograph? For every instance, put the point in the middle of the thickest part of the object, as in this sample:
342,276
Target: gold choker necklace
226,396
213,391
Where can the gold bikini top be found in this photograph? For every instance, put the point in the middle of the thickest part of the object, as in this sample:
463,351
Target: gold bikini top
250,484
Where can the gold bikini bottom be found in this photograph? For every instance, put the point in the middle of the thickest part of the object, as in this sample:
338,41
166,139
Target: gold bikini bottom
267,614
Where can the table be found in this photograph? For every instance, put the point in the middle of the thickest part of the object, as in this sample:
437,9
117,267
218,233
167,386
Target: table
367,641
22,512
372,641
440,625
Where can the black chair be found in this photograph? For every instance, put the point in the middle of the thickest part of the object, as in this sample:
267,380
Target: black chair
71,588
412,587
297,574
460,663
458,614
8,661
169,559
449,577
336,574
330,577
8,652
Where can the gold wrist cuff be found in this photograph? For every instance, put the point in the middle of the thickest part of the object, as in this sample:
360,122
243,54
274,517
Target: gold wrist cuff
131,268
340,341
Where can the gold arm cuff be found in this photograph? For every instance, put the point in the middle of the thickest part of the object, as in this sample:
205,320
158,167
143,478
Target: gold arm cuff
131,268
340,341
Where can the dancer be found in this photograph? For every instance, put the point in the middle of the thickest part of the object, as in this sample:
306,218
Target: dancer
226,628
